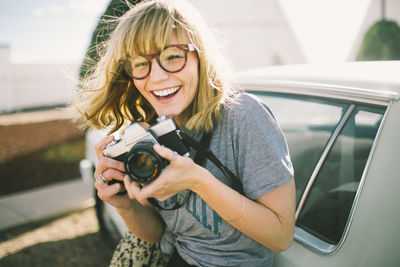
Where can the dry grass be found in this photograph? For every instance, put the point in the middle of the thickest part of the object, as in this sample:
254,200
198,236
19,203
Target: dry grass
71,240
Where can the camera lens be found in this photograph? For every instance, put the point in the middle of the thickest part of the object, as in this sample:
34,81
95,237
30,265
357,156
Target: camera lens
142,163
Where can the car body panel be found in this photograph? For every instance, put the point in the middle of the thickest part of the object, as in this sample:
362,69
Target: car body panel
108,214
372,230
376,76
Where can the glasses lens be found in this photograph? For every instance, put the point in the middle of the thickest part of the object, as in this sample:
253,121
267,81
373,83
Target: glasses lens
140,67
173,59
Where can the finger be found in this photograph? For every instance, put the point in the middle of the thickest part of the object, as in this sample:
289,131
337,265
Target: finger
109,168
160,195
165,152
155,189
99,147
101,180
132,187
99,185
108,163
107,192
134,191
140,192
113,174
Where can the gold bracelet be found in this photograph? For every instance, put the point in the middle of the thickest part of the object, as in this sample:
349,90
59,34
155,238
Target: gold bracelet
241,212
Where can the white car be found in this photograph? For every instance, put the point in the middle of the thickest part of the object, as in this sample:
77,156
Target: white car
342,124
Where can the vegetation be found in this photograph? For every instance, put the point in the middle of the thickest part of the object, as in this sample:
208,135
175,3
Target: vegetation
381,42
57,163
104,28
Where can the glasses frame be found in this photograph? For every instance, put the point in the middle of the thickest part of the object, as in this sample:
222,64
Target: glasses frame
127,66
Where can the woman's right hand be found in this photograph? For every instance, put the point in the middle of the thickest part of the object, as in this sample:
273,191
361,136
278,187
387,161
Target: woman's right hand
110,169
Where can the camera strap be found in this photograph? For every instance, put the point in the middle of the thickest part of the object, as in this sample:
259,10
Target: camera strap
203,153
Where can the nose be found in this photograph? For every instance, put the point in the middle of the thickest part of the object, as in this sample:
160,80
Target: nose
157,73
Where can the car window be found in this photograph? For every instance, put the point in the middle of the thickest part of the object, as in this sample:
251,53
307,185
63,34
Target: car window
307,124
347,133
329,202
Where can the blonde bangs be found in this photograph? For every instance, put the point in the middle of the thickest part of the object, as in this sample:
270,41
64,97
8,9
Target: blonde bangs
150,32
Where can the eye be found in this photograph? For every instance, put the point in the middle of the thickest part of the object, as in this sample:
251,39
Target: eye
139,62
172,54
174,57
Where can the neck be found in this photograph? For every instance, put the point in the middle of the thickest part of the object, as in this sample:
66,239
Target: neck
181,119
184,116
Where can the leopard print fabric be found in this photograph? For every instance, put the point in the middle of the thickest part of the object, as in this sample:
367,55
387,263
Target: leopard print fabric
134,252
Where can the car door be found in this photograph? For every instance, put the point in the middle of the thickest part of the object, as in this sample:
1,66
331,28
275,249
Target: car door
330,142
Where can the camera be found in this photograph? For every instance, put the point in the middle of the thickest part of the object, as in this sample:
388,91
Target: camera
135,148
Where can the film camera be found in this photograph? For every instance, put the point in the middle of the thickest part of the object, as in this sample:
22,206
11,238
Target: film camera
135,148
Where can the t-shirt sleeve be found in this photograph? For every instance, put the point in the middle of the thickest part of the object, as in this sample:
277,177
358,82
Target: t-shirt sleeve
262,156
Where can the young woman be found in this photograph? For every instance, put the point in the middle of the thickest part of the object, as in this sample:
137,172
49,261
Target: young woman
162,60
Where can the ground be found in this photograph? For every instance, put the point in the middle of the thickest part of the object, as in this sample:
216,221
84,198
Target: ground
37,149
70,240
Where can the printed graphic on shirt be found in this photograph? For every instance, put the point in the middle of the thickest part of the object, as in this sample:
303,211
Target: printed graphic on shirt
198,208
200,211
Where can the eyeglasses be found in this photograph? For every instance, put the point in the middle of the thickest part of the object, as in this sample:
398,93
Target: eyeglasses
172,59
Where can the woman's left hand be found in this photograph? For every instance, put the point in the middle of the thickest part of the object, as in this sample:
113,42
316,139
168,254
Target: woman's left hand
269,219
179,175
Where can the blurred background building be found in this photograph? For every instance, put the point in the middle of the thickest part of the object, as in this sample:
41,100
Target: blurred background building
253,34
34,86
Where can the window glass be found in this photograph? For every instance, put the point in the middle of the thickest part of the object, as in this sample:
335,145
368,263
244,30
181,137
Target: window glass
329,202
307,124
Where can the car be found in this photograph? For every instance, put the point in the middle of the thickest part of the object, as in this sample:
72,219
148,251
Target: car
342,124
111,225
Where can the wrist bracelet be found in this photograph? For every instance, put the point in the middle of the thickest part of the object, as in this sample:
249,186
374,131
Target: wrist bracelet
241,212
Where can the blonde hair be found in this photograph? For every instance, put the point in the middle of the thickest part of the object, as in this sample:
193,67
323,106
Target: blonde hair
108,97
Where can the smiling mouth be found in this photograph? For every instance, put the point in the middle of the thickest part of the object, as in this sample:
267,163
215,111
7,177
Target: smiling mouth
167,93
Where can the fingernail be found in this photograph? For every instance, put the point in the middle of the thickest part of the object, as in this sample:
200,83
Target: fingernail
157,146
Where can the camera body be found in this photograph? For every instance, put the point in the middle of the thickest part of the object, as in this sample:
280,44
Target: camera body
135,148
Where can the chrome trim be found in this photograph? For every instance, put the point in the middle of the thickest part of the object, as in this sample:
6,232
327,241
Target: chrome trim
316,244
312,242
323,90
86,169
362,180
324,154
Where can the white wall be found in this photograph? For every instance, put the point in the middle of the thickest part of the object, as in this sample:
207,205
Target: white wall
6,81
255,32
44,84
34,85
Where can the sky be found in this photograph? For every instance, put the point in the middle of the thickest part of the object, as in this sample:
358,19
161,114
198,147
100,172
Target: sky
28,27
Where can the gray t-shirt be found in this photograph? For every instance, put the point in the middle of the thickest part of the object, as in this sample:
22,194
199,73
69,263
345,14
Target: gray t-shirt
250,143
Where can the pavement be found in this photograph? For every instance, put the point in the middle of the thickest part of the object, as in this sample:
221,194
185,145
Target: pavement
35,117
47,201
44,202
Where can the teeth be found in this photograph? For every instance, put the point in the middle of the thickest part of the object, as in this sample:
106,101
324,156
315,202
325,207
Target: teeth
166,92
